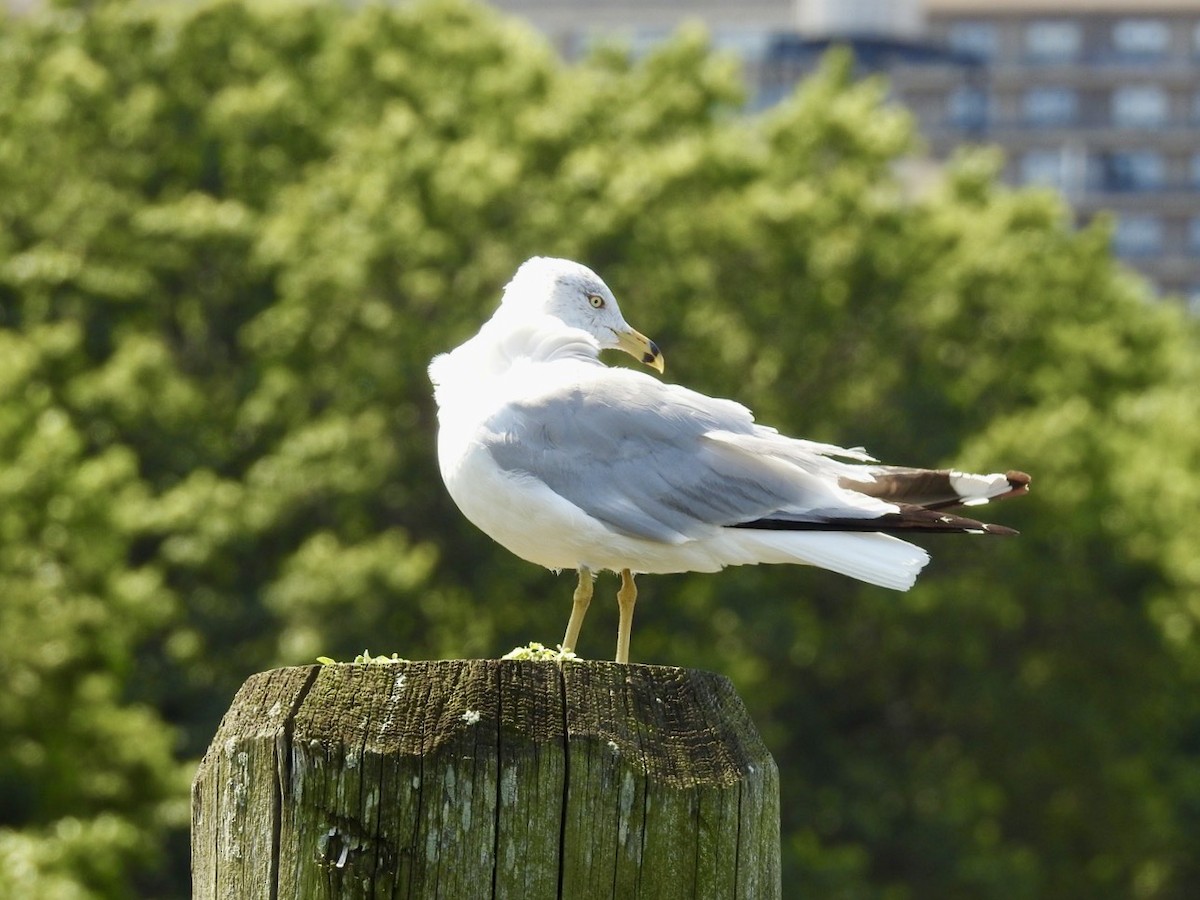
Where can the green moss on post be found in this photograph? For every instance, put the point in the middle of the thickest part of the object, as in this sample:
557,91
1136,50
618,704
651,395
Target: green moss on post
486,779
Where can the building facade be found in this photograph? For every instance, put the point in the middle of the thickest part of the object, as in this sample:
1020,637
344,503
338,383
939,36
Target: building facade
1099,99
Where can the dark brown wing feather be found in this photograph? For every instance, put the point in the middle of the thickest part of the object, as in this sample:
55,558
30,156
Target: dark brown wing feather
930,489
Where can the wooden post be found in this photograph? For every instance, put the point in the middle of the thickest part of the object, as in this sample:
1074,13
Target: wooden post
486,779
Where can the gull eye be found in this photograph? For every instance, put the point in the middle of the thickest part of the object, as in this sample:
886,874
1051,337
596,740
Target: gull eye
596,300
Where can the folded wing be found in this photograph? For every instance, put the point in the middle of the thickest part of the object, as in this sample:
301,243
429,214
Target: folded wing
663,463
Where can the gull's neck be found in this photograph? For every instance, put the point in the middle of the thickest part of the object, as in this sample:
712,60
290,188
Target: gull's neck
503,344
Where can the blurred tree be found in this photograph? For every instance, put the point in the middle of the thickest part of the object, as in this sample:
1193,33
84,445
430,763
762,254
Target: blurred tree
231,237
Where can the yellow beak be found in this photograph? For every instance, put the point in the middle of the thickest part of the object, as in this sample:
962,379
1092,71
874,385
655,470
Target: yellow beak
641,348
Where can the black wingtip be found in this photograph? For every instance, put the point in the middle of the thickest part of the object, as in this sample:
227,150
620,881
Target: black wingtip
1000,529
909,520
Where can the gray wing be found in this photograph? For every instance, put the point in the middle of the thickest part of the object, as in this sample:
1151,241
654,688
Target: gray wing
661,462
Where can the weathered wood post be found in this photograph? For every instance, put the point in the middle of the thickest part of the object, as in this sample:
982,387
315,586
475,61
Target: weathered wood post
486,779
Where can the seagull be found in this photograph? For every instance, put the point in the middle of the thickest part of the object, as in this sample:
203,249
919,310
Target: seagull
572,464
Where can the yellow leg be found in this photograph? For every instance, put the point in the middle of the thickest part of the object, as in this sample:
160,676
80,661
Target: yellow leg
626,598
579,606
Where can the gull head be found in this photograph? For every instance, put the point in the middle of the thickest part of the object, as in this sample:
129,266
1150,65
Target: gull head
579,298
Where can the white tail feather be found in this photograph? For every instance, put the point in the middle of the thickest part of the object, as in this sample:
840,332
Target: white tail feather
874,558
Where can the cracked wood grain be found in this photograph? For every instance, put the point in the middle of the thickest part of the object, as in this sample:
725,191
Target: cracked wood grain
486,779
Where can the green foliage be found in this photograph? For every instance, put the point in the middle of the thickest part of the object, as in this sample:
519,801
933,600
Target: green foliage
365,658
231,237
539,652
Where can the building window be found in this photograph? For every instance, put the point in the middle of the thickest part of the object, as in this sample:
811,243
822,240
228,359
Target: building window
1141,38
1049,40
976,38
1049,105
1043,168
1194,235
1138,235
1129,170
1139,105
1195,170
967,107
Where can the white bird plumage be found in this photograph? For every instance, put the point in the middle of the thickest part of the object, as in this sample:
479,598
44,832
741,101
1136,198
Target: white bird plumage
569,463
